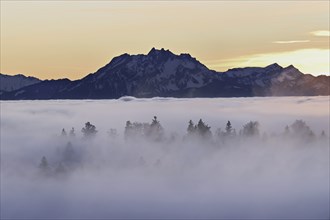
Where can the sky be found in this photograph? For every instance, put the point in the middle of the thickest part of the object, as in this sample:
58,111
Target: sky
70,39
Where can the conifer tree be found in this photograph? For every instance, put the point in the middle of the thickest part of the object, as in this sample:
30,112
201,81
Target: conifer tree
191,127
323,135
89,130
203,129
128,129
251,129
228,128
44,166
44,163
301,130
63,133
155,130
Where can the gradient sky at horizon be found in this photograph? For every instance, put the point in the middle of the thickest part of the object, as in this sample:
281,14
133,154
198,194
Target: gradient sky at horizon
70,39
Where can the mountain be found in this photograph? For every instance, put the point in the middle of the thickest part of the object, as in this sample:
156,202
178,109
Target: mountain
162,73
11,83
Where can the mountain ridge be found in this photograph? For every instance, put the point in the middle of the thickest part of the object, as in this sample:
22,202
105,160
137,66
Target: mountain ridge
10,83
163,73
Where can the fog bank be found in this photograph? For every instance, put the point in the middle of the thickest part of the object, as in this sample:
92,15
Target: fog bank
170,172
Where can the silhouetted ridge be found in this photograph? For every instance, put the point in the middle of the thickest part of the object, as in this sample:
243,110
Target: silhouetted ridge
161,73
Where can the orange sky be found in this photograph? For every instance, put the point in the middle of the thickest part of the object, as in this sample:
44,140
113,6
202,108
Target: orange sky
70,39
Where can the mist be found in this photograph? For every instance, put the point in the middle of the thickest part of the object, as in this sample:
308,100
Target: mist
115,172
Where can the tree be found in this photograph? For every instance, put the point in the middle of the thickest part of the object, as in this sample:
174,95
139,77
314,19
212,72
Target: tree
301,130
43,166
199,130
155,130
323,136
191,127
63,133
44,163
89,130
228,128
128,129
155,122
155,125
251,129
203,129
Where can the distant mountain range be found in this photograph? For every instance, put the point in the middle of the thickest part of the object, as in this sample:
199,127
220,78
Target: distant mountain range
11,83
162,73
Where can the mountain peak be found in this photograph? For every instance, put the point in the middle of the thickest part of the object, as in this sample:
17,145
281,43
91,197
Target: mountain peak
291,67
293,71
162,73
274,66
155,51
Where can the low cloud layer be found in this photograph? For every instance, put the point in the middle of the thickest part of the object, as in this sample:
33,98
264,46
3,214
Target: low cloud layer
273,173
321,33
291,41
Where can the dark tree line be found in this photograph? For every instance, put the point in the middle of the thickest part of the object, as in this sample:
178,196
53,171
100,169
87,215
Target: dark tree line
200,129
154,131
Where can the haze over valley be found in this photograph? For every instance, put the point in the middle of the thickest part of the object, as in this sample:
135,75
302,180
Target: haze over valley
114,159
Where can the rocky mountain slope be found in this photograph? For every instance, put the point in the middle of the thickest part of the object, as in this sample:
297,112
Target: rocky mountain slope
11,83
162,73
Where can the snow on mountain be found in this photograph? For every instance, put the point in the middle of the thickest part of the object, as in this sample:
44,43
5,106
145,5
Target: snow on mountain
10,83
160,73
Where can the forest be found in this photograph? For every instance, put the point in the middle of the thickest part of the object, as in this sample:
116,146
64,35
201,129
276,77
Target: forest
70,156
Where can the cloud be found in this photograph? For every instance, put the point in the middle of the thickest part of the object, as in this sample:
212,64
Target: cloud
291,41
178,177
313,61
321,33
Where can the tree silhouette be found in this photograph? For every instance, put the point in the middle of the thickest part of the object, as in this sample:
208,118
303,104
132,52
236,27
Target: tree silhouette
63,132
323,135
128,129
229,128
199,130
44,163
203,129
286,131
155,130
89,130
251,129
43,166
191,127
301,130
155,123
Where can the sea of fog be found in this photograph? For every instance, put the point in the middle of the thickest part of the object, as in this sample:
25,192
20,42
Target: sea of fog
276,173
